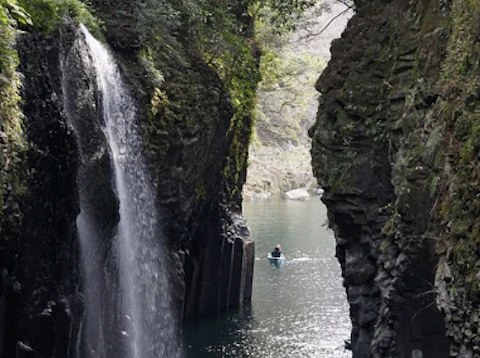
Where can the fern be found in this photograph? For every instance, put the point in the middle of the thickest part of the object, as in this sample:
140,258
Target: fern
433,185
434,140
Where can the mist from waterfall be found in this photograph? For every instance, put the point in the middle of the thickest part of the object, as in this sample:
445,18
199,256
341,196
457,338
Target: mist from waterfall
145,323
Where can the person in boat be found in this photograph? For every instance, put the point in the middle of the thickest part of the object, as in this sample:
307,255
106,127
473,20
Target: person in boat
277,252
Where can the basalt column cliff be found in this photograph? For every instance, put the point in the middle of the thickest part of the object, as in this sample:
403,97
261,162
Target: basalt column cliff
121,189
396,149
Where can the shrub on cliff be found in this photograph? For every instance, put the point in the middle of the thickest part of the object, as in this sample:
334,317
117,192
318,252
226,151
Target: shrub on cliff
12,142
46,15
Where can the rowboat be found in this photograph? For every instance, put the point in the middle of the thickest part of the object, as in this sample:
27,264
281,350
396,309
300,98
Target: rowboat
276,261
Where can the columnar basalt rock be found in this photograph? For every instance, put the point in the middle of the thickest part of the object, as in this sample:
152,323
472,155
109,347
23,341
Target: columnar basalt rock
186,130
198,162
376,155
40,254
185,120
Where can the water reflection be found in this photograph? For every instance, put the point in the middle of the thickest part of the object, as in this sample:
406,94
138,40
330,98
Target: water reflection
299,309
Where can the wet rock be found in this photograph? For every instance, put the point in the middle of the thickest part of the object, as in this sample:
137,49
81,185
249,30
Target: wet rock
40,256
211,252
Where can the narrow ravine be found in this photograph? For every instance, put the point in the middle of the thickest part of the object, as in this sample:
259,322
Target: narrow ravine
298,309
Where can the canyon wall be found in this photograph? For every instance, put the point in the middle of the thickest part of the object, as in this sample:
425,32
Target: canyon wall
395,148
196,159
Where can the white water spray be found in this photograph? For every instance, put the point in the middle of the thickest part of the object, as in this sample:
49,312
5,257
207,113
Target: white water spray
147,320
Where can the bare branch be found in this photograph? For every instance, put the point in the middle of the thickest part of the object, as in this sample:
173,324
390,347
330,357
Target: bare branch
310,36
347,4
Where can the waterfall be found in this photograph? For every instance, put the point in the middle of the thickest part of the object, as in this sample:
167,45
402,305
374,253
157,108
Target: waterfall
144,322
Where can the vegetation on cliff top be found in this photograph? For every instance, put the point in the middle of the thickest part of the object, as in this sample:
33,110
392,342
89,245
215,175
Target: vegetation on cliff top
10,14
12,143
47,15
224,34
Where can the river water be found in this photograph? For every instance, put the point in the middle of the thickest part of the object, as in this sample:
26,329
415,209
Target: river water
298,310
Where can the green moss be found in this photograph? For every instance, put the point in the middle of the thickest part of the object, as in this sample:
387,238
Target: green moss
200,191
339,178
433,182
237,159
460,207
239,68
462,53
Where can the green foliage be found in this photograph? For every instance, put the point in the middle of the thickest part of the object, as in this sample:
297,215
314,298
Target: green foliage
281,15
434,181
463,56
147,59
153,17
158,101
11,14
290,68
196,18
224,35
460,207
9,78
220,31
223,32
15,12
435,139
287,94
47,14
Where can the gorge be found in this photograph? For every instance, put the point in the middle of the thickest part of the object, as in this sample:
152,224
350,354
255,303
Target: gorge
124,149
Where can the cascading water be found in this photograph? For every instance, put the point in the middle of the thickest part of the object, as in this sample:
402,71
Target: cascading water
144,314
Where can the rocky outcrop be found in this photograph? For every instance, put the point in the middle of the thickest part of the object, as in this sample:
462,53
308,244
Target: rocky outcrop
197,158
391,149
193,158
297,194
196,163
41,302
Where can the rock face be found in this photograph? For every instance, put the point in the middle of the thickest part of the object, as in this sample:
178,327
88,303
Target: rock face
392,148
198,164
41,302
185,122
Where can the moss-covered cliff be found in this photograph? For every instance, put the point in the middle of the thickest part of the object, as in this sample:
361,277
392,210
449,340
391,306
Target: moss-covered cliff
395,149
196,126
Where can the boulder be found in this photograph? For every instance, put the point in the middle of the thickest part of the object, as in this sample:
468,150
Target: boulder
297,194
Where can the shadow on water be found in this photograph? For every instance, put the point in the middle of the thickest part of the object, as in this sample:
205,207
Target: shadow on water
224,335
298,309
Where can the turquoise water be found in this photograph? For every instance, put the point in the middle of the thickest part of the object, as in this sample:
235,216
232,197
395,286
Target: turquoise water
299,309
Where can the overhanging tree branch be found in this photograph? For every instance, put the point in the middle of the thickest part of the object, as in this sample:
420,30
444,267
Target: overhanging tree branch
311,35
